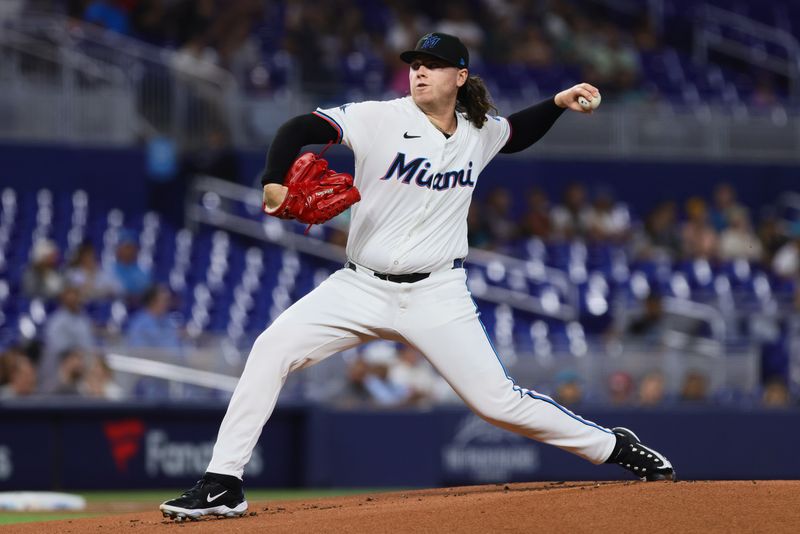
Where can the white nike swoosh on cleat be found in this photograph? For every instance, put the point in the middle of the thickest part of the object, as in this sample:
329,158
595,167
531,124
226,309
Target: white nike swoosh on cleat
209,498
664,462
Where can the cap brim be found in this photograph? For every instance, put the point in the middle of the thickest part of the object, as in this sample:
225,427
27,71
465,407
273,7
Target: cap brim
410,55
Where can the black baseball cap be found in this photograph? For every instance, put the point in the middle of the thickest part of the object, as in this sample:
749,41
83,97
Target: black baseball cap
440,45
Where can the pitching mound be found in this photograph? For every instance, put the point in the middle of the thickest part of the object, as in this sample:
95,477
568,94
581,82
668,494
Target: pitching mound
736,506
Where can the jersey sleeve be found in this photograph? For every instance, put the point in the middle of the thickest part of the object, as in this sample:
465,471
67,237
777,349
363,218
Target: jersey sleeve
494,135
357,123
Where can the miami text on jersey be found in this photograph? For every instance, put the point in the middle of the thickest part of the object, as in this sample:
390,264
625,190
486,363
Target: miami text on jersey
417,170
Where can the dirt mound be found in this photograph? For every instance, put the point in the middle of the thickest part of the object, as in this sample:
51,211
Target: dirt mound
730,506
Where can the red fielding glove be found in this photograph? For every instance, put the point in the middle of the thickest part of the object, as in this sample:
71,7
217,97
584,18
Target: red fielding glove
315,193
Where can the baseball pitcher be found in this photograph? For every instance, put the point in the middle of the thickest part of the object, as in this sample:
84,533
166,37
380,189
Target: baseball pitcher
417,163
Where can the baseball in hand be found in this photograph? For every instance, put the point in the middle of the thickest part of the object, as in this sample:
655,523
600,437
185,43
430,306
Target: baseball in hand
589,104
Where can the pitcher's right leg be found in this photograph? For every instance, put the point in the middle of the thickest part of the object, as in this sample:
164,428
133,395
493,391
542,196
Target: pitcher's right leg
341,313
328,320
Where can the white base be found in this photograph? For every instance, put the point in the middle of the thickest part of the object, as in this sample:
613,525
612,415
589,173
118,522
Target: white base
40,500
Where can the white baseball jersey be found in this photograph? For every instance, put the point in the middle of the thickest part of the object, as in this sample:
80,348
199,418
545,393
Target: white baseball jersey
416,185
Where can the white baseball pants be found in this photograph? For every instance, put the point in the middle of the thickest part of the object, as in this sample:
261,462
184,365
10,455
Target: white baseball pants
438,317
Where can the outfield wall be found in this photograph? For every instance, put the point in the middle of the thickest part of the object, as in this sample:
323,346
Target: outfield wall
125,446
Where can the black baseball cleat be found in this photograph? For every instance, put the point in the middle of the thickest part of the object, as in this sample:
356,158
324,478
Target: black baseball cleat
207,497
640,460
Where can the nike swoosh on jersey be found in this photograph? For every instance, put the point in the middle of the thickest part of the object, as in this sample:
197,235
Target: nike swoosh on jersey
209,498
406,136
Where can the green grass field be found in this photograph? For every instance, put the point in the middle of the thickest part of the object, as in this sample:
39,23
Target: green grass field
155,497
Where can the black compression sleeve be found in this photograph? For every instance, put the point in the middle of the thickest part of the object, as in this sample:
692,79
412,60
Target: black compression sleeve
530,124
291,137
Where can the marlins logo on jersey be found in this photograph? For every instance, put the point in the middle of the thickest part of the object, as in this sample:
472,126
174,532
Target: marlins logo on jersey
420,167
415,183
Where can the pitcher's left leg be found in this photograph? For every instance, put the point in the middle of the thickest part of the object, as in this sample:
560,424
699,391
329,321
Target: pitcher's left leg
443,324
463,355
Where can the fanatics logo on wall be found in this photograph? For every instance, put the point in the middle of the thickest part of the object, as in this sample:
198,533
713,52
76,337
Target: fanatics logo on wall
164,456
125,438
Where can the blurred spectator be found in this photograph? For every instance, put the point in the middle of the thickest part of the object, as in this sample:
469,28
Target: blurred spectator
645,35
771,236
457,21
699,239
71,370
99,381
67,328
652,390
194,19
776,394
84,272
725,207
204,30
557,22
107,14
498,219
215,158
212,155
152,326
738,239
659,239
651,323
133,279
21,377
380,357
308,41
501,25
230,32
607,221
535,50
695,387
764,94
570,218
477,229
355,392
624,59
536,221
609,60
148,21
413,372
406,25
620,388
6,360
786,262
41,278
569,389
369,381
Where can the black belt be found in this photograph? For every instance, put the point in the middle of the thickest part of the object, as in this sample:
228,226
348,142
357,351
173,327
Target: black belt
405,278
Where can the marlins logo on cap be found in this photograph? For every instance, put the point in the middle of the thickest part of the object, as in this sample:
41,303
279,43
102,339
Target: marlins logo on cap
439,45
429,41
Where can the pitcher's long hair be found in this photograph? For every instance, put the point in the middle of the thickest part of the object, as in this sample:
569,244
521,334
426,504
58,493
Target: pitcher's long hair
474,101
